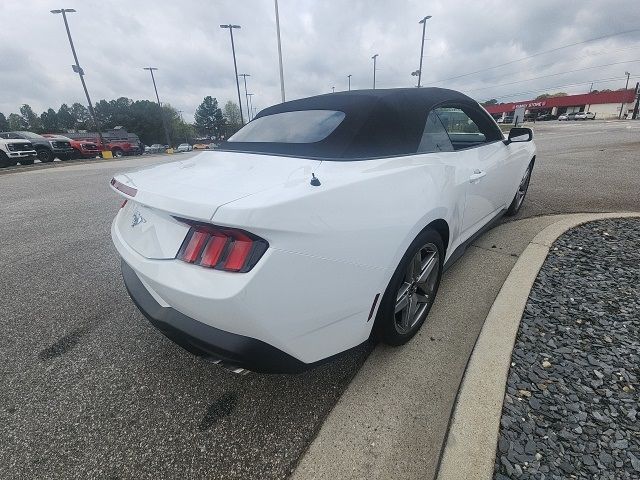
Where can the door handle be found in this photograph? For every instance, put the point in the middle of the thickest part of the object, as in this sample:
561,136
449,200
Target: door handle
476,175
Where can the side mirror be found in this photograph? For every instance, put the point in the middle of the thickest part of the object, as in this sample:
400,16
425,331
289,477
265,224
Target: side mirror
519,134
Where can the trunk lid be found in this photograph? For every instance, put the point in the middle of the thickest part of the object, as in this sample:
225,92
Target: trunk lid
195,188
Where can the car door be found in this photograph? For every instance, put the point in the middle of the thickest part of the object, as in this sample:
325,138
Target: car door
481,157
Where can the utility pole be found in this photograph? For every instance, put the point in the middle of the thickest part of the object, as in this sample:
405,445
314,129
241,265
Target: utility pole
635,109
78,69
333,89
279,51
349,77
250,95
374,70
235,66
424,26
626,87
164,122
244,76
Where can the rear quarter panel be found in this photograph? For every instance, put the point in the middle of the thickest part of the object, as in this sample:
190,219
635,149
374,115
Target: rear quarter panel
364,212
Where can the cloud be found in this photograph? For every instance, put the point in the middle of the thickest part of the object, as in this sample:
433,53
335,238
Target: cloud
322,43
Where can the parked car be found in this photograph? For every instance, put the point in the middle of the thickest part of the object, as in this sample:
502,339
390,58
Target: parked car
155,148
212,145
47,149
566,117
81,148
200,146
184,147
585,116
16,150
545,117
292,242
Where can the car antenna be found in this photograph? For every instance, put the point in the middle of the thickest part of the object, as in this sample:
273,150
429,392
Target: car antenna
314,180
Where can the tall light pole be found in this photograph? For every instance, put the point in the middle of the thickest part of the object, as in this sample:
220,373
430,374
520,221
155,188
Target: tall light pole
78,69
424,26
186,140
349,77
374,70
333,89
625,89
164,122
244,76
279,51
250,95
235,66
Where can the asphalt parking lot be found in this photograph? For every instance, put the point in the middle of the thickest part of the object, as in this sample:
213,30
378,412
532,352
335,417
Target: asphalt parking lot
91,390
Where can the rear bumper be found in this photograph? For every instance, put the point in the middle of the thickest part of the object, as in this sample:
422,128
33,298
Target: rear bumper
207,341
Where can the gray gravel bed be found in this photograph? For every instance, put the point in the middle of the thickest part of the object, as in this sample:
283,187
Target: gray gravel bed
572,400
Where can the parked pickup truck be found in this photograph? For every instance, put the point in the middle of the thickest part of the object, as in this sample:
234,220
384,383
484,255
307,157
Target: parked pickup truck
47,149
81,148
120,148
16,150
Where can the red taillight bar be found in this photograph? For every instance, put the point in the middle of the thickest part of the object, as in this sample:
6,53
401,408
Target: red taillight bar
126,189
221,248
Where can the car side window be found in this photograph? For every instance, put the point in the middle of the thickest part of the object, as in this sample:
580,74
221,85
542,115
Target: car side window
462,131
467,127
434,137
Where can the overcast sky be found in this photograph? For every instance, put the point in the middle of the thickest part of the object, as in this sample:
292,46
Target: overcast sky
323,41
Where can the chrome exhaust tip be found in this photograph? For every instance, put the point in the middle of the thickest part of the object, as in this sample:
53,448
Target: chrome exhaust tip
228,366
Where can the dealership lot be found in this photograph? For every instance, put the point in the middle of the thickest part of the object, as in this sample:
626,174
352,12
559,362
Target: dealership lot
90,389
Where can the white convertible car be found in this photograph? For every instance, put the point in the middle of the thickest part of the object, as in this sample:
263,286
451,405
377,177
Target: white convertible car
323,223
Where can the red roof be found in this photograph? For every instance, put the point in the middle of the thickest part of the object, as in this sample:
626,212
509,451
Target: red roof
619,96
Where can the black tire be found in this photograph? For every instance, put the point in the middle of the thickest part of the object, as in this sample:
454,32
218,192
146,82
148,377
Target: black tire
5,161
521,193
27,160
386,327
117,152
45,155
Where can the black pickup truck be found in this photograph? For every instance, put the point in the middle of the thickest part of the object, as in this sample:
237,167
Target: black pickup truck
47,149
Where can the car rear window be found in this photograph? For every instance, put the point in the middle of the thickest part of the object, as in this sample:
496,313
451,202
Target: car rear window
302,126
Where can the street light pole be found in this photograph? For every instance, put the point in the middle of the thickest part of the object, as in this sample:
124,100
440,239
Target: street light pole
164,121
250,95
625,89
333,89
80,72
279,51
374,70
186,139
235,66
244,76
424,26
349,77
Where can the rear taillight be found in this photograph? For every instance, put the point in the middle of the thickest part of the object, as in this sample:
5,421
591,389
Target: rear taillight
221,248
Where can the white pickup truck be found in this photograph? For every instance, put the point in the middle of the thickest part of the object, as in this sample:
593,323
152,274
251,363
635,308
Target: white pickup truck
16,150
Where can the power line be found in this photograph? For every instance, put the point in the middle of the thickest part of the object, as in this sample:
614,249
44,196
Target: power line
552,75
611,79
538,54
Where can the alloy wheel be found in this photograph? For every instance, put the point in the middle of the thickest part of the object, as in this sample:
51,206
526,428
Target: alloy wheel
416,293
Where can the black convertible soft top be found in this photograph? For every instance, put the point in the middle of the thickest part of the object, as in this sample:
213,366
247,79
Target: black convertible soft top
381,122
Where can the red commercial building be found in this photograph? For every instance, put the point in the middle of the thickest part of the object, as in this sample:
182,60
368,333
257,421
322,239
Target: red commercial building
603,104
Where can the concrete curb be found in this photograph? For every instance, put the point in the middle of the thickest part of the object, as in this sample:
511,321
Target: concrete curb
470,447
